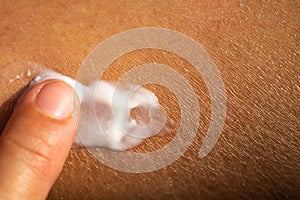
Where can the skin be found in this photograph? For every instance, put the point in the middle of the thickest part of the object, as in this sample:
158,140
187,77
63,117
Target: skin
256,48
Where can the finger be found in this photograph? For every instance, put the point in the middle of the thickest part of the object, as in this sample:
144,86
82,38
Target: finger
36,141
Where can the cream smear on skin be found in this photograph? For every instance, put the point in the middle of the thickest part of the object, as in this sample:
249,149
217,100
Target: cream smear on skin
105,119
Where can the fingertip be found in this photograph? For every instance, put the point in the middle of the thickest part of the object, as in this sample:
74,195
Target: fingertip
37,139
56,99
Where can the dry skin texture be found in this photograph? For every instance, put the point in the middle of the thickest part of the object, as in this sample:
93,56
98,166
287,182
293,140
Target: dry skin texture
256,48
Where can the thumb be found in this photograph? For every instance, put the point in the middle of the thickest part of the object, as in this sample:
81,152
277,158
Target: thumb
36,141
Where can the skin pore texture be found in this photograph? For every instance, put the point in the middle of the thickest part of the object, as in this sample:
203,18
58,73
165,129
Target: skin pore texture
256,48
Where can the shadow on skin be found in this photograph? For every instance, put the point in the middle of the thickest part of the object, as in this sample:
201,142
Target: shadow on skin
7,107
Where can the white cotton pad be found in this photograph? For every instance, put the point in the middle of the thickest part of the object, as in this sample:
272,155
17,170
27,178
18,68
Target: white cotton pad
105,119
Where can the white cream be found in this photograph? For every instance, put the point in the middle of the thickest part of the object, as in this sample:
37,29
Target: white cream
105,107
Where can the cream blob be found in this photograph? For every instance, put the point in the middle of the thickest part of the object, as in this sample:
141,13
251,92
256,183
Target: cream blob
105,113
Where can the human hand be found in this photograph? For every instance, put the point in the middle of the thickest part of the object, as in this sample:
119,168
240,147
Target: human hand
36,141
